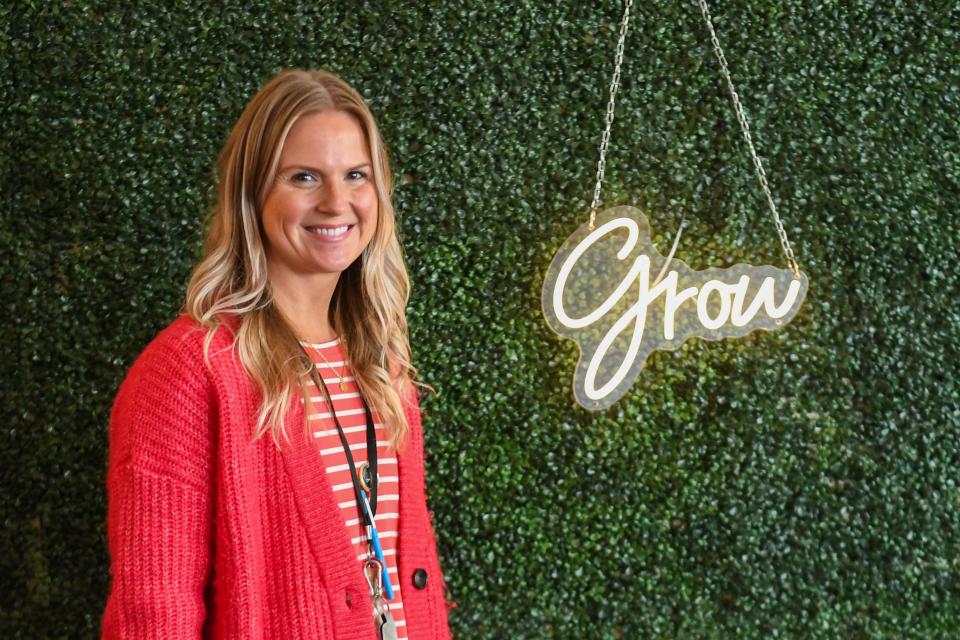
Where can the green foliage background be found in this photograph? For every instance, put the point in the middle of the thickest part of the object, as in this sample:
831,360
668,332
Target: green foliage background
797,484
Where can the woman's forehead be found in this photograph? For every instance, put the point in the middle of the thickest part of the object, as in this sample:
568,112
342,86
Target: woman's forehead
326,137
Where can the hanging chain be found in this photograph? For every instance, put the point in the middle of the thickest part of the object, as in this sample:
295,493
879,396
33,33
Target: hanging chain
614,87
741,118
761,175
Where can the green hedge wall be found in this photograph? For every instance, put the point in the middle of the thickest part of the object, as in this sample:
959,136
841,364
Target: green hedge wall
797,484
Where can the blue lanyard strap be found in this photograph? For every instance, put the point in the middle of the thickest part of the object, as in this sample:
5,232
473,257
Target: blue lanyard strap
377,549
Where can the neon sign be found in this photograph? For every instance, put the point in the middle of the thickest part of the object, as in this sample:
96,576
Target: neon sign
611,291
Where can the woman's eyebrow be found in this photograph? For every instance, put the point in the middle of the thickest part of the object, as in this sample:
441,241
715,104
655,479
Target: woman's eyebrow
317,170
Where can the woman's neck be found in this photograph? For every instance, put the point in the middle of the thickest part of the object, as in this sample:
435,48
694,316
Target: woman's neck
305,304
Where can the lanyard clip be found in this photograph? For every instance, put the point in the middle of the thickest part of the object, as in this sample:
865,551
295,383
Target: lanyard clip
373,572
377,548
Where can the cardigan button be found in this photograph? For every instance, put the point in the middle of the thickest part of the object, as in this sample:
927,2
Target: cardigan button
347,599
420,578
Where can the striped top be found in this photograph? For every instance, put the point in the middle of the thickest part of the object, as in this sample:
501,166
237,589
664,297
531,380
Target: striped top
350,412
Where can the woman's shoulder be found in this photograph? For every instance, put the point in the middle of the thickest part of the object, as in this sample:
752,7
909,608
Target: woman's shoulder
186,332
182,341
177,354
165,408
410,399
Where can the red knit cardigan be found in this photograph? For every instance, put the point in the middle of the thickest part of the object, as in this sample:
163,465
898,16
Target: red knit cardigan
214,535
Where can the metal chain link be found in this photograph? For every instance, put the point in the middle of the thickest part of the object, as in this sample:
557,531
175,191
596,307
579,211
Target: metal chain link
761,175
614,87
741,118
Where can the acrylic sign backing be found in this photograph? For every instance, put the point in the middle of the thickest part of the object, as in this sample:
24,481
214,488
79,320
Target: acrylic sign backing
602,291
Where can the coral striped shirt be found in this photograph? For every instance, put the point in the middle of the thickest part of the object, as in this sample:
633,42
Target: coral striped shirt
349,410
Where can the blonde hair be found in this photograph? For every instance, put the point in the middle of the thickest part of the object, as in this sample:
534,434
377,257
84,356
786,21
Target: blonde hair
368,306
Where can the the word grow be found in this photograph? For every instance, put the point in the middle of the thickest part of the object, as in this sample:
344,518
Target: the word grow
612,292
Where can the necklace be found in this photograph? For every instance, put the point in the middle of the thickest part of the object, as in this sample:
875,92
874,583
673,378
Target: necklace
343,387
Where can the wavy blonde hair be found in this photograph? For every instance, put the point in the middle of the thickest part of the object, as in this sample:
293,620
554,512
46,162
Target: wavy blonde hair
368,306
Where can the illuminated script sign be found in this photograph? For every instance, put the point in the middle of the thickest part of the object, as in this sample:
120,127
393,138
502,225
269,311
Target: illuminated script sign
607,289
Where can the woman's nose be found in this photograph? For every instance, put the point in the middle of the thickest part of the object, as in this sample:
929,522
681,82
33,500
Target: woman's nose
333,198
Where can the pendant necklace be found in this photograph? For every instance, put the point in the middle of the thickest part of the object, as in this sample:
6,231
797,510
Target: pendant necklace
343,387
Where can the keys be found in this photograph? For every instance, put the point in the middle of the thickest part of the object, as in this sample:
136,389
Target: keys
386,625
384,622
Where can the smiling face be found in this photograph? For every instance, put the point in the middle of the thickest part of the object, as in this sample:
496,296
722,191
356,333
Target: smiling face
321,211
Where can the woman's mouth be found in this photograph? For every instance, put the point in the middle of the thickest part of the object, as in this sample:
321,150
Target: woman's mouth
330,234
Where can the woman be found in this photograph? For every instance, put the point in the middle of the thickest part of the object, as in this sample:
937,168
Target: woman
298,303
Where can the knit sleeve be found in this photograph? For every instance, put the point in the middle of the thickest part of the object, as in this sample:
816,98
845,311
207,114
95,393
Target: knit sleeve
159,492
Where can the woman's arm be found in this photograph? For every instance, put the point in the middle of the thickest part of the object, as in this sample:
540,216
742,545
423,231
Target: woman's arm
160,494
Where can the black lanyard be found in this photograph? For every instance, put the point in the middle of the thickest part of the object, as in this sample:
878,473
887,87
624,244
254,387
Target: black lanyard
371,450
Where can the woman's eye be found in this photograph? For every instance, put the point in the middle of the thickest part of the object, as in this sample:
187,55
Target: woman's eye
303,176
357,175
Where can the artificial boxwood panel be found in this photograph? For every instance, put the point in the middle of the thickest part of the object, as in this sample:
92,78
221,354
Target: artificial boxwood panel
797,484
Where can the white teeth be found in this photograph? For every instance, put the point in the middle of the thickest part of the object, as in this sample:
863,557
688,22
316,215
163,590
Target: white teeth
338,231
